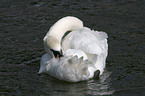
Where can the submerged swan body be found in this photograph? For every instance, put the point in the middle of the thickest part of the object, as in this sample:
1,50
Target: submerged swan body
84,51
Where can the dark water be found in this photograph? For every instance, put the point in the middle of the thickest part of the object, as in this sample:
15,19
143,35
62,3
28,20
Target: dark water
24,23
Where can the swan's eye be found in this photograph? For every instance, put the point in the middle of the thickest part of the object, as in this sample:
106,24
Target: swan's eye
57,54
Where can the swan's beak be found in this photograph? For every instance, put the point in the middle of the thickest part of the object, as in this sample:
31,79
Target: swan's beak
59,56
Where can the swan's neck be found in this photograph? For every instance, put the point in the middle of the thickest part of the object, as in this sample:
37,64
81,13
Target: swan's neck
63,25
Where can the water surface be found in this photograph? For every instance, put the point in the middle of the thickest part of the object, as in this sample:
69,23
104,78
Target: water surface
24,24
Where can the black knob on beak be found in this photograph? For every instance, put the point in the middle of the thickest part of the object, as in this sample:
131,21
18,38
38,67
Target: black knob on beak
57,54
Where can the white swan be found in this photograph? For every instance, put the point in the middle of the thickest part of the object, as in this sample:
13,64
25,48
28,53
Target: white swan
78,55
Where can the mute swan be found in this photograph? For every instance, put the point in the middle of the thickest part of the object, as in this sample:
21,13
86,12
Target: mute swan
78,56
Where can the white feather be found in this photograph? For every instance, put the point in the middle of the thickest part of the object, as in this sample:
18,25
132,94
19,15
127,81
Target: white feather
85,51
69,68
93,43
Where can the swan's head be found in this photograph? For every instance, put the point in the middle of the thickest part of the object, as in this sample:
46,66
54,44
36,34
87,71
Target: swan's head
53,47
52,40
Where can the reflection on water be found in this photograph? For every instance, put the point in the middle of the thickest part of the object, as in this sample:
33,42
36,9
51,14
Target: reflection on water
102,86
90,87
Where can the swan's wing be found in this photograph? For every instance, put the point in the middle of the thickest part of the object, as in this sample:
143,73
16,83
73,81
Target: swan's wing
75,52
92,42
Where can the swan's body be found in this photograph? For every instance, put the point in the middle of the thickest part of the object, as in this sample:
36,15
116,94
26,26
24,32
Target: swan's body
69,68
85,51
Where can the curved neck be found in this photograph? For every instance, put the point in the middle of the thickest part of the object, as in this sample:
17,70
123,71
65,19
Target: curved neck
63,25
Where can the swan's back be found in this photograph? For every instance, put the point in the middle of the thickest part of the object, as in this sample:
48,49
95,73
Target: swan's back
93,43
89,41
